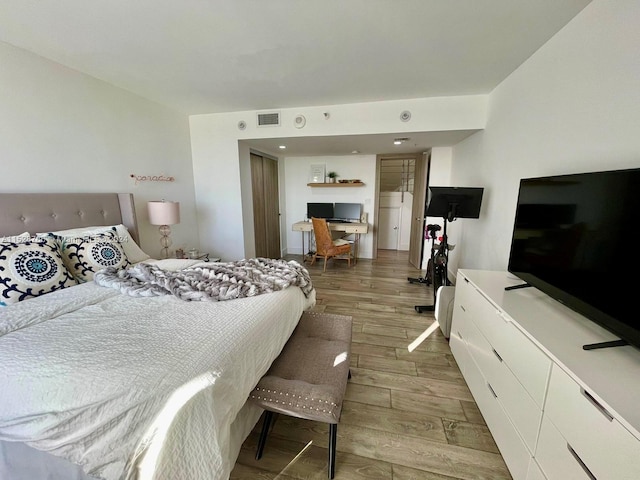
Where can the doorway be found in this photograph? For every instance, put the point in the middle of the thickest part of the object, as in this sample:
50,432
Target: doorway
401,199
266,206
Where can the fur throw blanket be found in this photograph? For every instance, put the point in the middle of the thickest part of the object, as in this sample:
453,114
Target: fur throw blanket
219,281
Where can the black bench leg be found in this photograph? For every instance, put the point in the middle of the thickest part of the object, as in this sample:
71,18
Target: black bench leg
263,434
349,377
333,437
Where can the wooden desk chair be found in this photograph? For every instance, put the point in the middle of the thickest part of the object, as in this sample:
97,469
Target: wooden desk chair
327,247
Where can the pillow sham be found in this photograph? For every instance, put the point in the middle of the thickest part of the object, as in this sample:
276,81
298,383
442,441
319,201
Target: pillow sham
88,254
31,268
134,253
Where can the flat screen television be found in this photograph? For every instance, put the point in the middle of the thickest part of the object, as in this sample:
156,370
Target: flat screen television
574,239
320,210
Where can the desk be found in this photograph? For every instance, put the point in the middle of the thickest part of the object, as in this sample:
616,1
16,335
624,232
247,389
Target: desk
348,228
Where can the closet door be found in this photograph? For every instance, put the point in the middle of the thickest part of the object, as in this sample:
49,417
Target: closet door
416,241
266,207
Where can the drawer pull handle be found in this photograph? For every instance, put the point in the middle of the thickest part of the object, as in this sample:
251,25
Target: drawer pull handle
462,307
466,279
581,463
460,335
493,392
497,354
596,404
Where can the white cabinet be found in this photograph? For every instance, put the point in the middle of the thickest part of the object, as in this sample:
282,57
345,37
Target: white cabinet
555,410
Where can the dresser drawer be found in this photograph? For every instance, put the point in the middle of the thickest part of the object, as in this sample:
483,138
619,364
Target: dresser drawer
458,335
555,457
513,450
517,403
471,302
480,350
525,414
528,363
607,449
459,348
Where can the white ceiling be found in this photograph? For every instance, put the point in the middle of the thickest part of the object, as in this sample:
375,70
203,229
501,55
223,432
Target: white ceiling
358,144
207,56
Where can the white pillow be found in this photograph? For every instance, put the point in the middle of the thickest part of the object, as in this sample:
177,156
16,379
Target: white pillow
87,254
30,269
134,253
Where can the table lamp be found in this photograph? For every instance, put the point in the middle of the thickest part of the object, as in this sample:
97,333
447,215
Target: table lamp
164,214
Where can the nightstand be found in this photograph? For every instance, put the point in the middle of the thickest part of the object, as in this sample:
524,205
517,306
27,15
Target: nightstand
206,258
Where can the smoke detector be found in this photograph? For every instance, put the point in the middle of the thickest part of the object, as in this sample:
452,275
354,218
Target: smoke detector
299,121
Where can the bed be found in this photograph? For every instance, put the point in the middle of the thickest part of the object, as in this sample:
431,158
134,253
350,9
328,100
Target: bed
96,384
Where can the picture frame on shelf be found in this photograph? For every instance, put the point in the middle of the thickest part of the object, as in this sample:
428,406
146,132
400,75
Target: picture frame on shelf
317,173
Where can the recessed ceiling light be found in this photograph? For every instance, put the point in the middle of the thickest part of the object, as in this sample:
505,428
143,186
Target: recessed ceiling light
282,147
356,151
398,141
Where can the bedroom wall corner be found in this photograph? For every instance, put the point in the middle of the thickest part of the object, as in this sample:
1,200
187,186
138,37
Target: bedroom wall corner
64,131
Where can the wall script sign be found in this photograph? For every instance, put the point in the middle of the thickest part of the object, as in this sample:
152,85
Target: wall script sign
152,178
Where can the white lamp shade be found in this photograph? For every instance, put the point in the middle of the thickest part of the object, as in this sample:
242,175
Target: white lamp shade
164,213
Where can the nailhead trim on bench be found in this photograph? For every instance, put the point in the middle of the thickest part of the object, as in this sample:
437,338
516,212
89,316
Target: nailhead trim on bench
258,397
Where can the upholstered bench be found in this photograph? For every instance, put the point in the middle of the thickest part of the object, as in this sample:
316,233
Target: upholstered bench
309,378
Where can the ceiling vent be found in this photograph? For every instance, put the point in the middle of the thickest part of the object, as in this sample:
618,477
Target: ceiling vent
270,119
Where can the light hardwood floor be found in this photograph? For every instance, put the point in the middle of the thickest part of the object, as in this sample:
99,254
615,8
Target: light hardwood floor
407,415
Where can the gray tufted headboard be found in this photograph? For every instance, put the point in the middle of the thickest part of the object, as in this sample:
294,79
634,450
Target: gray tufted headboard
47,212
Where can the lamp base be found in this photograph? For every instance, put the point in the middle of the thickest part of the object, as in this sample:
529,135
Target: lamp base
165,240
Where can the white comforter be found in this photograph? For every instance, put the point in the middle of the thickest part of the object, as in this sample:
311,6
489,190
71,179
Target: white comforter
142,388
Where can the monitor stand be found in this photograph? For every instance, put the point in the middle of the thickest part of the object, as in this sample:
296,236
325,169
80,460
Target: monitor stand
613,343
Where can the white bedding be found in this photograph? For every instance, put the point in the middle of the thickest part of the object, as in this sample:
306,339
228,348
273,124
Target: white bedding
137,388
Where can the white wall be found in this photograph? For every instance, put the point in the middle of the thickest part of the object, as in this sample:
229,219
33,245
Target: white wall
574,106
298,194
63,131
223,207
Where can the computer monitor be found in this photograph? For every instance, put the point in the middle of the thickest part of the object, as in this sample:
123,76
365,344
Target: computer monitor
320,210
347,211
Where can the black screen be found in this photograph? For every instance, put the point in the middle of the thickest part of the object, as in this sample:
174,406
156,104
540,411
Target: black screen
573,239
320,210
454,202
347,211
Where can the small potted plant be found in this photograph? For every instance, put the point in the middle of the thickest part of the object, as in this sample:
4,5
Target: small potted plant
332,177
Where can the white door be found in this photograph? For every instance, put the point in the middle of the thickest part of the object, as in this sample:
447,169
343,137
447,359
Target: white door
388,228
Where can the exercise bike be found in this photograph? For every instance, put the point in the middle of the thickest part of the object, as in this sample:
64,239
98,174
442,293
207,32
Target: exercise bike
449,203
437,268
430,233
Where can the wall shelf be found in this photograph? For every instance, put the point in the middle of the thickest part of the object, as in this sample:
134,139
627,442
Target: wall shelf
338,184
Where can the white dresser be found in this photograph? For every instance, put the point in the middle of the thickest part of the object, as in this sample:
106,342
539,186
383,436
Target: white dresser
555,410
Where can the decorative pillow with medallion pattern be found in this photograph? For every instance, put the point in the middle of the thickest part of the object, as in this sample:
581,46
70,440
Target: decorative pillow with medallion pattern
31,268
86,255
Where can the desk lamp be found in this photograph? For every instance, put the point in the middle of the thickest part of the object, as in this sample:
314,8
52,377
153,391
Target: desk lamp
164,214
